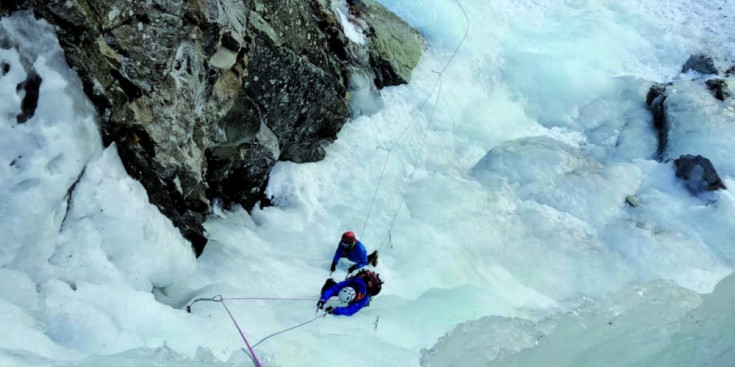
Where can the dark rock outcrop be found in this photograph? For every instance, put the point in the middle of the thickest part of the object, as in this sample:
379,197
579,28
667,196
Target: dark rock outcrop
632,202
701,63
655,101
30,88
202,97
699,174
718,87
394,50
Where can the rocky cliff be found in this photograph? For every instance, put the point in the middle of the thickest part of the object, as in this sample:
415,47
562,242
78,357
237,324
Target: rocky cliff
202,97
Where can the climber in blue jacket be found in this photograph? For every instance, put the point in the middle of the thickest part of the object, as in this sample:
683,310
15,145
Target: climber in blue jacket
354,251
352,294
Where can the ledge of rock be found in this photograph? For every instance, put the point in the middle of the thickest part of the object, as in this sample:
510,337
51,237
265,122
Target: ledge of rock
203,97
698,173
700,63
719,89
394,47
655,101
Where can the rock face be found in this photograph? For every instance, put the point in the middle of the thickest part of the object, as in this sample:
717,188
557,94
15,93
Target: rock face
718,87
30,89
699,174
701,63
655,101
202,97
394,49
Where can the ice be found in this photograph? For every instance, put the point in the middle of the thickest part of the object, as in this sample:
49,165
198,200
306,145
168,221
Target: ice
655,324
502,217
706,334
341,9
700,124
111,229
43,156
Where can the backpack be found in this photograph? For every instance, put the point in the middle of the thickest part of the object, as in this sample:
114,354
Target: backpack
372,280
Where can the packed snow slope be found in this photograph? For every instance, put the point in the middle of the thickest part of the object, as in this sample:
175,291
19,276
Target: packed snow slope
503,195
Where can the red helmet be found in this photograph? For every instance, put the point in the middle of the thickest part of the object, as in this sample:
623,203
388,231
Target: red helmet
348,237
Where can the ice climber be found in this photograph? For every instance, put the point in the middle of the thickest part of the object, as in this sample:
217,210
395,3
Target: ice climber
354,251
353,293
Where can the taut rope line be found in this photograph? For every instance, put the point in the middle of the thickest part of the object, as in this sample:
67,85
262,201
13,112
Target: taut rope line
321,316
250,351
220,299
437,84
413,170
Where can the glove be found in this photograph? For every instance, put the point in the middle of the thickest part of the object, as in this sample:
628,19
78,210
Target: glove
329,310
333,267
320,304
352,268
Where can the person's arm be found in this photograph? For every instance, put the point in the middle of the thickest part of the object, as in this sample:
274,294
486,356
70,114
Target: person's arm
337,254
333,290
352,308
360,256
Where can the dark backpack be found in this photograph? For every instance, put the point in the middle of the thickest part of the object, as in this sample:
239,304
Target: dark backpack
372,281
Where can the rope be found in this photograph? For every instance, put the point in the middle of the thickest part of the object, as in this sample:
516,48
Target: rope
270,299
252,353
413,170
220,298
289,329
387,157
423,141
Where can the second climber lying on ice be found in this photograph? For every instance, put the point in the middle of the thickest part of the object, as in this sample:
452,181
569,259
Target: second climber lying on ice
354,293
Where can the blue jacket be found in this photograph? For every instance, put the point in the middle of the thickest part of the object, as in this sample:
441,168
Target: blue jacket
356,254
354,306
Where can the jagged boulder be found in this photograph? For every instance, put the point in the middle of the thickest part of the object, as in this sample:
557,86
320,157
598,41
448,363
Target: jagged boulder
202,97
632,201
701,63
698,174
719,89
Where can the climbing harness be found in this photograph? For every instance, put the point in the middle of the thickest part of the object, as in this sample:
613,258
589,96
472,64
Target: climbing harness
437,87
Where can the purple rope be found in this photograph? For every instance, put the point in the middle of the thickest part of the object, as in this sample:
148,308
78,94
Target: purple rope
270,299
252,353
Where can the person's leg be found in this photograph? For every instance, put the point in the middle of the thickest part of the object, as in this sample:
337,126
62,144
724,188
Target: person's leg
373,258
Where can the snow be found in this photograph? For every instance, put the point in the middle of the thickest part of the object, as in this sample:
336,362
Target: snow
700,123
629,326
655,324
342,11
502,218
43,156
